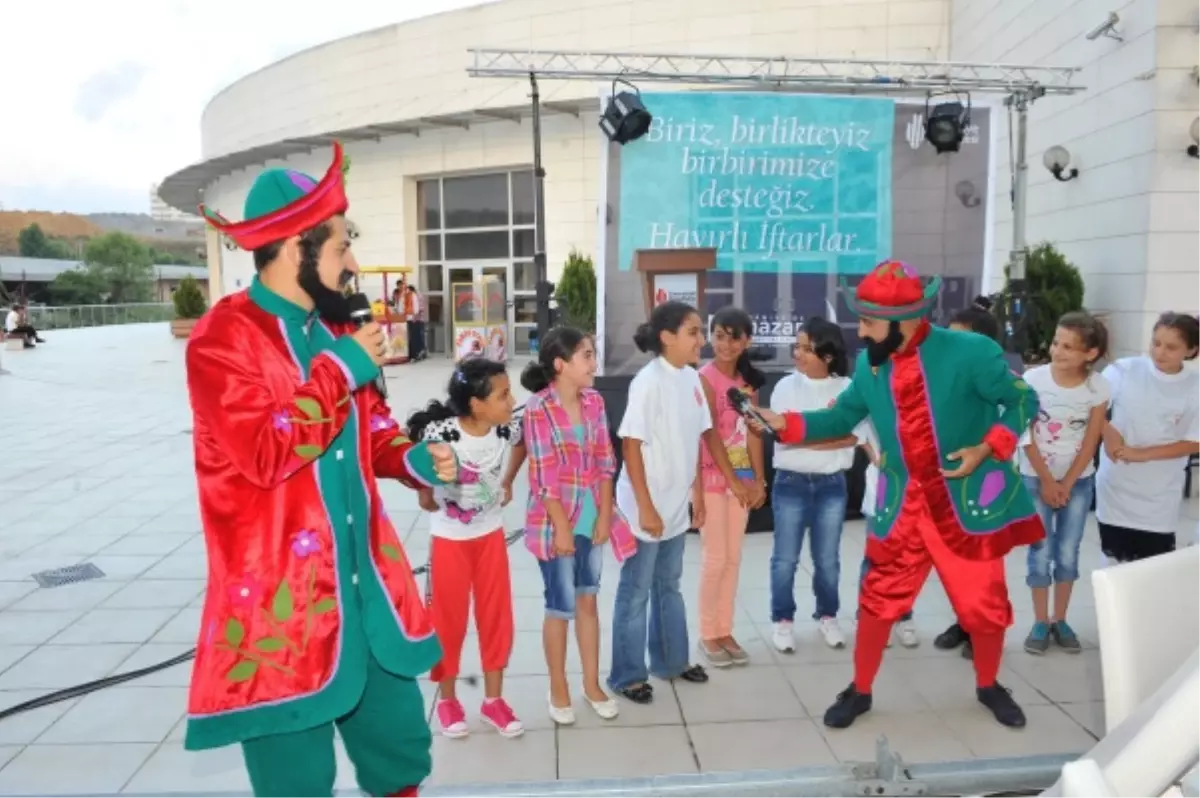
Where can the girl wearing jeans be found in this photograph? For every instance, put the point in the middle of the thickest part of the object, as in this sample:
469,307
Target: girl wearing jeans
727,503
570,515
665,421
1057,466
1155,427
809,492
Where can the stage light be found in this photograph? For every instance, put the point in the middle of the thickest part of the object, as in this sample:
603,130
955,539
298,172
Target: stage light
946,124
625,117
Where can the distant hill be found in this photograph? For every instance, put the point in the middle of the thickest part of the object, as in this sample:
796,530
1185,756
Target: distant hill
183,241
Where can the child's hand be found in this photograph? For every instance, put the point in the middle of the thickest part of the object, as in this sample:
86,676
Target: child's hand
506,489
1132,454
699,516
650,521
758,494
740,492
564,543
1114,443
1052,494
426,501
603,529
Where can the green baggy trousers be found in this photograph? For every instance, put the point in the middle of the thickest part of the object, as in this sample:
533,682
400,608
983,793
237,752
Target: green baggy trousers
386,736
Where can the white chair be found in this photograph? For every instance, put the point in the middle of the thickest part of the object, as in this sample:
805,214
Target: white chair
1148,613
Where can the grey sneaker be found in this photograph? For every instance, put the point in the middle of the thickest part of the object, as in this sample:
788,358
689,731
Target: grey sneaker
717,656
1065,637
1038,640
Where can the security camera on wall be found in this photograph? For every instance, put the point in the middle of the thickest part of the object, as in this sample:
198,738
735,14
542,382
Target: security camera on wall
1106,28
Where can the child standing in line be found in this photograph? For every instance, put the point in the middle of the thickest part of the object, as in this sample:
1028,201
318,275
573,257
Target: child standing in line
809,491
727,502
1056,463
1155,427
571,514
665,420
468,557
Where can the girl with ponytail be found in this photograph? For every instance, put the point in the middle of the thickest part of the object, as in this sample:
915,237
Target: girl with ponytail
571,514
732,470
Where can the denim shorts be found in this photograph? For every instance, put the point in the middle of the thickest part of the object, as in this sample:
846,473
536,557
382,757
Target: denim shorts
568,577
1056,559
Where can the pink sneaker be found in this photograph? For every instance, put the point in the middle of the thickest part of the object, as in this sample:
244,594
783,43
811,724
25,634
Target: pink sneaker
452,718
500,715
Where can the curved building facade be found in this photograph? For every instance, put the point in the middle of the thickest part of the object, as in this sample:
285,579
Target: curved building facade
441,162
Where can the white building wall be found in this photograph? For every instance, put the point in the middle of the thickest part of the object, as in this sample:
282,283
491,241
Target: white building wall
1127,136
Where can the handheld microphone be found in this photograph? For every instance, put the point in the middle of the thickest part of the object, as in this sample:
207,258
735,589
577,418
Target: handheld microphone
362,315
741,403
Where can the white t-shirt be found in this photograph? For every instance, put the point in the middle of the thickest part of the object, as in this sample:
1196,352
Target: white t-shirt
12,321
471,507
1150,408
797,393
1062,420
668,412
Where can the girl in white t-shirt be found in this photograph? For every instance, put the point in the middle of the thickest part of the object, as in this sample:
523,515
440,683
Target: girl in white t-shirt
1155,427
1056,462
665,419
468,555
809,491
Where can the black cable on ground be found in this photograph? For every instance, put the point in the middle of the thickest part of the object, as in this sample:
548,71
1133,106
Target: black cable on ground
120,678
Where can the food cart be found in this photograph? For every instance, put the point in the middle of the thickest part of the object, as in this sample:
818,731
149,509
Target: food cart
480,318
378,282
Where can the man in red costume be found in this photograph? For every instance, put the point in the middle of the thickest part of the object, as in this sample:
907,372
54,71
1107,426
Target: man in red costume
948,413
312,618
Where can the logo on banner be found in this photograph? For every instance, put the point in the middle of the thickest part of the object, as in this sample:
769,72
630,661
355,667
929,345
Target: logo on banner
676,288
469,343
915,132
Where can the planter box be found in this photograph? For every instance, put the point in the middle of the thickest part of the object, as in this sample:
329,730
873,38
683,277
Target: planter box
182,328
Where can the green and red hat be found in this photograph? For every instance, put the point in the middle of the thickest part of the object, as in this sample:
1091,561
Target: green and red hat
283,203
893,291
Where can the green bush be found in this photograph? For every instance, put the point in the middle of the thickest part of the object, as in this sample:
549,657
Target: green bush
576,293
189,301
1054,287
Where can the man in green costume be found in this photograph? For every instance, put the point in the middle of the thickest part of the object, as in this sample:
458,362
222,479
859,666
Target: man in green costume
312,619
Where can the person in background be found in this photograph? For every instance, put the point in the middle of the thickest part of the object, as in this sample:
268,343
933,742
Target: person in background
727,503
1056,461
571,515
666,419
1155,427
414,312
809,491
16,325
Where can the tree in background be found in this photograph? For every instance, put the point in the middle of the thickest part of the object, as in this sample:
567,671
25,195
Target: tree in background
189,299
77,287
1054,288
576,292
123,264
32,242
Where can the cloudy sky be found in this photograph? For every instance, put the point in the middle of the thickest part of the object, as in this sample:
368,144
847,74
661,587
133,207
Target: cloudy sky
101,99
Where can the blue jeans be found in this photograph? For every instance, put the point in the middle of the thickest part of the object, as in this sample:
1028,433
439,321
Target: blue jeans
574,575
802,502
650,577
1064,533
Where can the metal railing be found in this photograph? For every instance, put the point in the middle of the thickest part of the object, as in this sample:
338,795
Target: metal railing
66,316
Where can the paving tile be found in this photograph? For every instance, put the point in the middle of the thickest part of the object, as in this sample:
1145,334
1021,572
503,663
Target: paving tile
123,568
150,593
72,769
34,628
634,752
768,744
25,727
10,655
183,629
11,592
817,686
148,713
78,596
55,667
1071,678
179,566
142,545
153,654
171,769
116,626
735,694
488,757
916,736
1048,730
1089,715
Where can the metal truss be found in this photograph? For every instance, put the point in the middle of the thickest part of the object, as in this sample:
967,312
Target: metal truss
778,72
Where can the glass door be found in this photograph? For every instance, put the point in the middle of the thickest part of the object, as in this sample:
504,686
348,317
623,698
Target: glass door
475,274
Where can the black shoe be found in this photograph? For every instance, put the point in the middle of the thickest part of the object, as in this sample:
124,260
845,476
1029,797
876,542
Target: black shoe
695,674
968,651
999,700
29,345
952,638
849,705
40,340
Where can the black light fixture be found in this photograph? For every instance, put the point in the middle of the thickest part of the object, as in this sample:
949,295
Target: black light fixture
946,124
1056,159
625,117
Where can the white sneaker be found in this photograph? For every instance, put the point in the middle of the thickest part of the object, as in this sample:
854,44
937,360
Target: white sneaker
782,638
832,633
906,632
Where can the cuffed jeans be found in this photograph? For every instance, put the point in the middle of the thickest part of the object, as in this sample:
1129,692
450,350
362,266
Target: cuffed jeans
649,586
801,502
1064,533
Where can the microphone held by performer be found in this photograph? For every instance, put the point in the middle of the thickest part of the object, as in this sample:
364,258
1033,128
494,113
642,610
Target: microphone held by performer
362,315
763,420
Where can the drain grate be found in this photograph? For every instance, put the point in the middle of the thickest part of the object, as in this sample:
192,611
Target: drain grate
57,577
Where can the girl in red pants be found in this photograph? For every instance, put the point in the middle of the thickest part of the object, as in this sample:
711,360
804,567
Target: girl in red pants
468,557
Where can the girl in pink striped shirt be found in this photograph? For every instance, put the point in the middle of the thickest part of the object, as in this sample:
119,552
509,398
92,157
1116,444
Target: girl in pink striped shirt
571,511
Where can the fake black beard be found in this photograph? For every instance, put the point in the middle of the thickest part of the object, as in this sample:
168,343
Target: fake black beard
879,351
331,305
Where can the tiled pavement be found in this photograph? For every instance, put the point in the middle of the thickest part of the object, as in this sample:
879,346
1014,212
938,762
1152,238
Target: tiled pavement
95,465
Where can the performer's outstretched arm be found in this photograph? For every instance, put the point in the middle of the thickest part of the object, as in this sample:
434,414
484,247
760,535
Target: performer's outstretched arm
393,455
996,383
834,422
267,440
